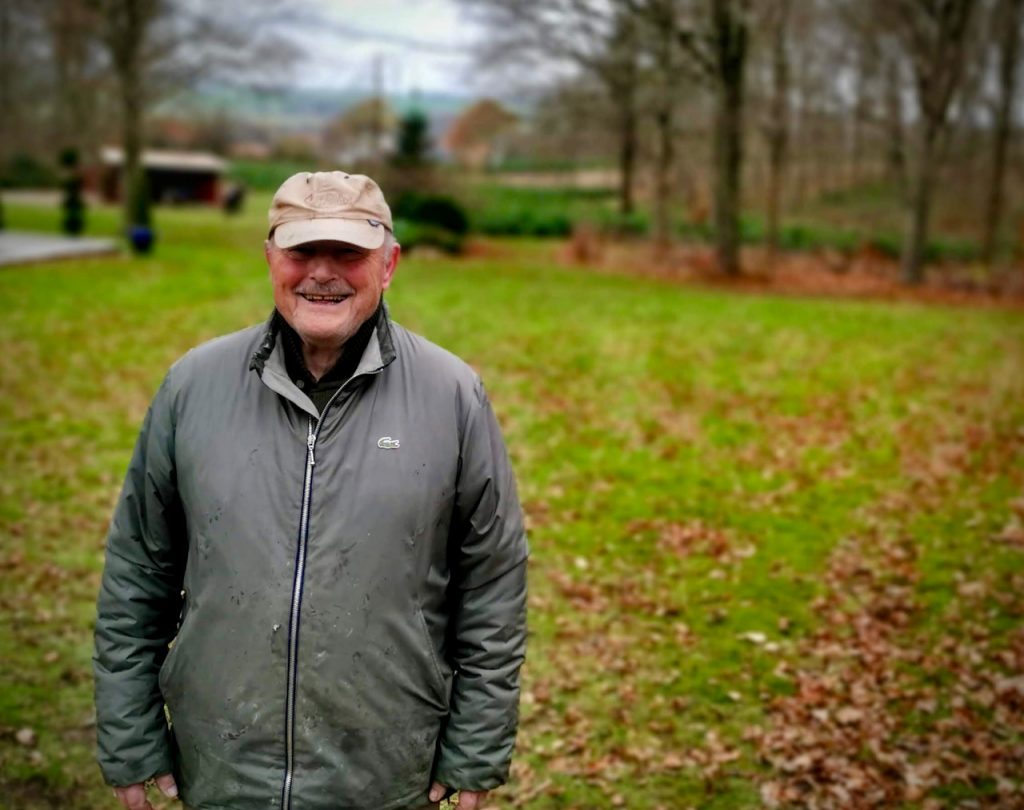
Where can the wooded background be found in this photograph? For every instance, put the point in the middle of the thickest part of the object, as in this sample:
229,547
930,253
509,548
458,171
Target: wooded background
706,108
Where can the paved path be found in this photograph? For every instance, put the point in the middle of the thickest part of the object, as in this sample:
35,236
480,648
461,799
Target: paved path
22,247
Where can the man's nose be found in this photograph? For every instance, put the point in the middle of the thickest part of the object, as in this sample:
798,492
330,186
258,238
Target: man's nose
322,266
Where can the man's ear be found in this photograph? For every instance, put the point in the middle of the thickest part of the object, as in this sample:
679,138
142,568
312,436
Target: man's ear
391,265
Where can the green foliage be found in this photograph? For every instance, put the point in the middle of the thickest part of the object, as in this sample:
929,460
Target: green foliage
266,175
412,234
611,221
430,219
73,205
503,211
531,163
413,141
26,171
432,209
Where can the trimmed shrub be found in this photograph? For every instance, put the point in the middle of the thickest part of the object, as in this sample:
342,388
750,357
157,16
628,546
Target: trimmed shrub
412,235
432,209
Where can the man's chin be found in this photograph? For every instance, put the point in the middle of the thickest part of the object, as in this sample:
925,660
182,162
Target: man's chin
326,339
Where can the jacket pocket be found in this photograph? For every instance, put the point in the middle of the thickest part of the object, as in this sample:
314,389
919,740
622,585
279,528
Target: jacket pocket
166,678
441,682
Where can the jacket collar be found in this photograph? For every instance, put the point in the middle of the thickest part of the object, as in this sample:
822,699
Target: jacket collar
269,363
382,336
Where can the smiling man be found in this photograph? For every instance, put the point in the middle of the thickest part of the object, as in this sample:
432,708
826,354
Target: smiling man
317,566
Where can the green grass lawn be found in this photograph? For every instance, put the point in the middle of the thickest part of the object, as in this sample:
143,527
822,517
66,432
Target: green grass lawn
718,487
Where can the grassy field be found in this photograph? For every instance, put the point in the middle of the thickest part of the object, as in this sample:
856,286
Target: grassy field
777,543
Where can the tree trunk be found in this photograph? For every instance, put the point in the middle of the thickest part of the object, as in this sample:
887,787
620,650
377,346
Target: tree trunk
71,29
861,116
9,102
136,192
728,162
778,127
663,180
730,56
920,209
895,153
620,79
666,153
136,205
627,150
1009,50
127,41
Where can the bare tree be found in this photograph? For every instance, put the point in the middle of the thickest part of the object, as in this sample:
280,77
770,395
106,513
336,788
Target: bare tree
619,71
895,140
669,73
156,47
78,71
935,36
720,46
565,38
776,124
127,32
1008,25
714,35
22,83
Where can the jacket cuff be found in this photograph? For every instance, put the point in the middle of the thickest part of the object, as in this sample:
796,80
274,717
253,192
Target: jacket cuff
122,774
455,772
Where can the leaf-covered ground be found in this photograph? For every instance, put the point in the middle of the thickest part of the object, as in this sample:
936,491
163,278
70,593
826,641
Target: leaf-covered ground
777,543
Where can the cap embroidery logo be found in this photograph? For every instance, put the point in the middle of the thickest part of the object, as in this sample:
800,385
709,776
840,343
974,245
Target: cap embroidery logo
328,199
387,443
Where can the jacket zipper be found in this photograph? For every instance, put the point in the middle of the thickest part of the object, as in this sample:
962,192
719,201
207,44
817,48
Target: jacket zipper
293,619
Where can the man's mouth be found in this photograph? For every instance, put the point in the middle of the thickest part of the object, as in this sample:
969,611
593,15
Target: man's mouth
320,298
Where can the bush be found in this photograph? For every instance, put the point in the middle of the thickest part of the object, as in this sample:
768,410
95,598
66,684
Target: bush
412,235
524,221
538,212
887,244
956,250
430,219
26,171
432,209
617,224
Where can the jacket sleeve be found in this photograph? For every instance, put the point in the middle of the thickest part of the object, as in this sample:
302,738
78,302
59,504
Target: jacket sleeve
139,605
487,631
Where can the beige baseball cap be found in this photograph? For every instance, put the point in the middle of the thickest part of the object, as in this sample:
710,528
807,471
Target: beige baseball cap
310,206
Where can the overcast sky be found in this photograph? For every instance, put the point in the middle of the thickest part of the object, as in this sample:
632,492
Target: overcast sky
423,45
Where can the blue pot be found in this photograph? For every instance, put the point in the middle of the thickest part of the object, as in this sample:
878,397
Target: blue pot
141,238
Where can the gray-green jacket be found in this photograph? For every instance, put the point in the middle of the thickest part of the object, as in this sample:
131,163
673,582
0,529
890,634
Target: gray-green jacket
346,594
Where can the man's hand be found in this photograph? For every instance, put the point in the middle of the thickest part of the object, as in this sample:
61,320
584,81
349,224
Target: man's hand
468,799
133,797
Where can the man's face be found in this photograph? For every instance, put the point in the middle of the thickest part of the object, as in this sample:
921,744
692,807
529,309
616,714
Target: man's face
326,290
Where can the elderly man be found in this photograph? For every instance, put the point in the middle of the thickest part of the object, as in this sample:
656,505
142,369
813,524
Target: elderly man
317,566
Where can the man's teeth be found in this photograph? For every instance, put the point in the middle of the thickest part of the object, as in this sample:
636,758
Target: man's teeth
332,298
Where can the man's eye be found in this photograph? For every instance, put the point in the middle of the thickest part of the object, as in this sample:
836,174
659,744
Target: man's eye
300,252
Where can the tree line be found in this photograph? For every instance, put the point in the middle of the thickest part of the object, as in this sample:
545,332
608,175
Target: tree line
880,83
75,73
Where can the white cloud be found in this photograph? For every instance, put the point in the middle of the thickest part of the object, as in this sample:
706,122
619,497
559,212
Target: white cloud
405,45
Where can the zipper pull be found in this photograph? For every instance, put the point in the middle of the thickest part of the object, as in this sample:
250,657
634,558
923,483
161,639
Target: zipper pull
310,443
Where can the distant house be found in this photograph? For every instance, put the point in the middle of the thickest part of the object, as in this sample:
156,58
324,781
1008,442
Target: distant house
480,135
173,177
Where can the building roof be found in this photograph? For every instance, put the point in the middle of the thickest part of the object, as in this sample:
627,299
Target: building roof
167,159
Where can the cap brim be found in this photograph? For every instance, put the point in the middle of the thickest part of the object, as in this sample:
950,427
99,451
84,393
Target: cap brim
358,232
